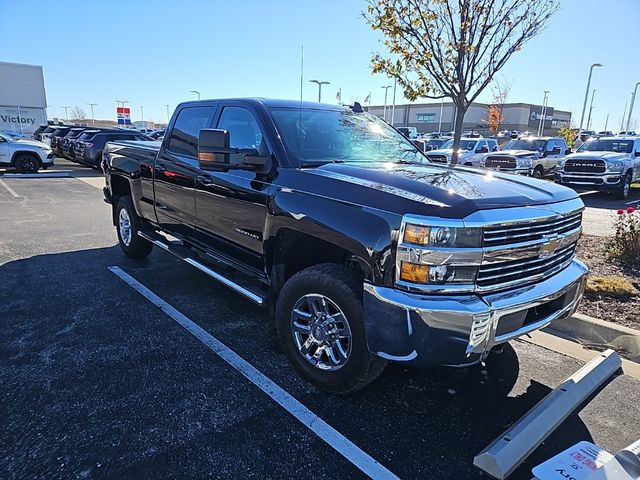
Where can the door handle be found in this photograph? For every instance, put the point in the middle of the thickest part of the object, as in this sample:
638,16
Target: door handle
205,179
159,169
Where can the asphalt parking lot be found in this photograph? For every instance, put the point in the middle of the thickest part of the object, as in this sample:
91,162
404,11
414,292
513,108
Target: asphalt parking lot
98,382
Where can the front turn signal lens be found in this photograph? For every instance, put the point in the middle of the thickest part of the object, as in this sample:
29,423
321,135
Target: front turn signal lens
417,234
411,272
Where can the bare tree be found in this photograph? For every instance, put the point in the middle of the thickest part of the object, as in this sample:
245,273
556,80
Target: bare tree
78,114
452,48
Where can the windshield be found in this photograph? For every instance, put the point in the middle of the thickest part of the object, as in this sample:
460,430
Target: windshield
322,136
620,146
464,144
523,144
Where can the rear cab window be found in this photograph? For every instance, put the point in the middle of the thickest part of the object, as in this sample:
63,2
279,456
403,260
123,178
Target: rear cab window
186,129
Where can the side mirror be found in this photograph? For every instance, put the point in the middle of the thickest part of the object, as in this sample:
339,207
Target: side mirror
638,154
483,149
214,153
567,151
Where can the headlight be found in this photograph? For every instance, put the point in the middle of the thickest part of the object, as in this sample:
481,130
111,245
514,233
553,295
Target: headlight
442,236
524,162
615,166
437,274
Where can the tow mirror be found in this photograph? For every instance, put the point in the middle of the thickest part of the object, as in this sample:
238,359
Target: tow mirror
554,151
638,154
215,153
483,149
567,151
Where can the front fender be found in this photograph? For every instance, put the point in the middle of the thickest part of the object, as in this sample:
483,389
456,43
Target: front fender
370,235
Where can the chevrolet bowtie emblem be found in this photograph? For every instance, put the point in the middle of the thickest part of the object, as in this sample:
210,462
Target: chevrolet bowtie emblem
549,247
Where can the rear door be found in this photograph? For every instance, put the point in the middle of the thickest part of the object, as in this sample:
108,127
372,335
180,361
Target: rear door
176,167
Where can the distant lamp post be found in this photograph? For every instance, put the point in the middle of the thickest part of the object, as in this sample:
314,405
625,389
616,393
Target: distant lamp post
593,94
586,96
141,113
66,109
196,92
320,83
386,89
543,113
168,117
633,99
93,117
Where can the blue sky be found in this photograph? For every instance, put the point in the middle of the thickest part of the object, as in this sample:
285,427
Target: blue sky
153,52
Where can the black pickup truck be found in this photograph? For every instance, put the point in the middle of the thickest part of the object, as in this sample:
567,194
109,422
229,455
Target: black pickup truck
364,251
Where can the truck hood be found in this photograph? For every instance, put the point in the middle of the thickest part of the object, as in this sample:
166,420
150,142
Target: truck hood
598,156
452,192
517,153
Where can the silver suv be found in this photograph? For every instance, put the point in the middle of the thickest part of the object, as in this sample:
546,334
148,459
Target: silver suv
605,164
533,156
26,156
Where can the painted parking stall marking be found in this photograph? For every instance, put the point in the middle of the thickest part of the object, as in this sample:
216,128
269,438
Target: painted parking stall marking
322,429
9,189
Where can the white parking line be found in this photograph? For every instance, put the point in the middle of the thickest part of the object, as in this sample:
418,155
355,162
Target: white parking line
632,202
322,429
9,189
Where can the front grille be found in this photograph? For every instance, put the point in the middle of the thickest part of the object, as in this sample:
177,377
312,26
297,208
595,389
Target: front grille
526,232
585,166
437,158
536,268
500,161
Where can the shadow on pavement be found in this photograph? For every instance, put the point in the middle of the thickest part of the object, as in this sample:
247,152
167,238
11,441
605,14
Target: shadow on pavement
91,375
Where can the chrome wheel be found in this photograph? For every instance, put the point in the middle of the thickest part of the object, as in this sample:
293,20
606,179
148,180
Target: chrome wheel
321,332
124,223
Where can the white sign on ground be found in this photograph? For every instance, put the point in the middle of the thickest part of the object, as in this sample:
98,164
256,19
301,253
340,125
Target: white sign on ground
577,463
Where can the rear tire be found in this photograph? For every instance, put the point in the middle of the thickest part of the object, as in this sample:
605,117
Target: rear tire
128,226
320,325
625,189
26,163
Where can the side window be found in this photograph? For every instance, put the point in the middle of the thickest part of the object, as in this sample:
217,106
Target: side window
493,147
243,128
184,136
480,144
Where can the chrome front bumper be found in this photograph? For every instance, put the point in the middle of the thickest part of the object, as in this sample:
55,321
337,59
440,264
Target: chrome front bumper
460,330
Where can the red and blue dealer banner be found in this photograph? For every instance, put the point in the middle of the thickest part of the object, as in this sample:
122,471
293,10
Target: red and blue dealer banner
124,115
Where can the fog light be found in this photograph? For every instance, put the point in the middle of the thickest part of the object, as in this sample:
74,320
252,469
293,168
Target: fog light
411,272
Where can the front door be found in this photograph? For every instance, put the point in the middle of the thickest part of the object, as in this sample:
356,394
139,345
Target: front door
175,170
4,152
232,205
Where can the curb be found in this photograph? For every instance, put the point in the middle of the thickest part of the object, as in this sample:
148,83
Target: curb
590,331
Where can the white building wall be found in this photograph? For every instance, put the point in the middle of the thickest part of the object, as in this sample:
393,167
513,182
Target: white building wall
23,100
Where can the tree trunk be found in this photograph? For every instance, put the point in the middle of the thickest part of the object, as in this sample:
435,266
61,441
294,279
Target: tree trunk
461,110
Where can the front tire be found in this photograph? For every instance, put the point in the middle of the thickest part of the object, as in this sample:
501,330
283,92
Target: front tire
538,173
625,189
128,224
26,163
319,318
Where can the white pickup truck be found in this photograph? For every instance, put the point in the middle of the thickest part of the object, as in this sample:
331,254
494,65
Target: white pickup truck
26,156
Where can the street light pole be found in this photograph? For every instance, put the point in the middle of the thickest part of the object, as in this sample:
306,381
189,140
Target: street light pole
393,106
93,118
440,118
586,96
386,89
542,113
66,108
606,122
168,118
320,83
196,92
593,94
141,113
633,99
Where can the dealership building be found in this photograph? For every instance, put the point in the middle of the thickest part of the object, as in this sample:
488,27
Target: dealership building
433,117
23,100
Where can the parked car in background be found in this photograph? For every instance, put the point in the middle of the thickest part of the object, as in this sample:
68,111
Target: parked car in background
608,164
605,133
534,156
37,135
45,136
156,134
427,144
88,150
470,153
68,141
409,132
26,156
627,133
57,136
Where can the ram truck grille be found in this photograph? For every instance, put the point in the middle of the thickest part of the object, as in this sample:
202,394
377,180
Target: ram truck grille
585,166
500,161
527,232
437,158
